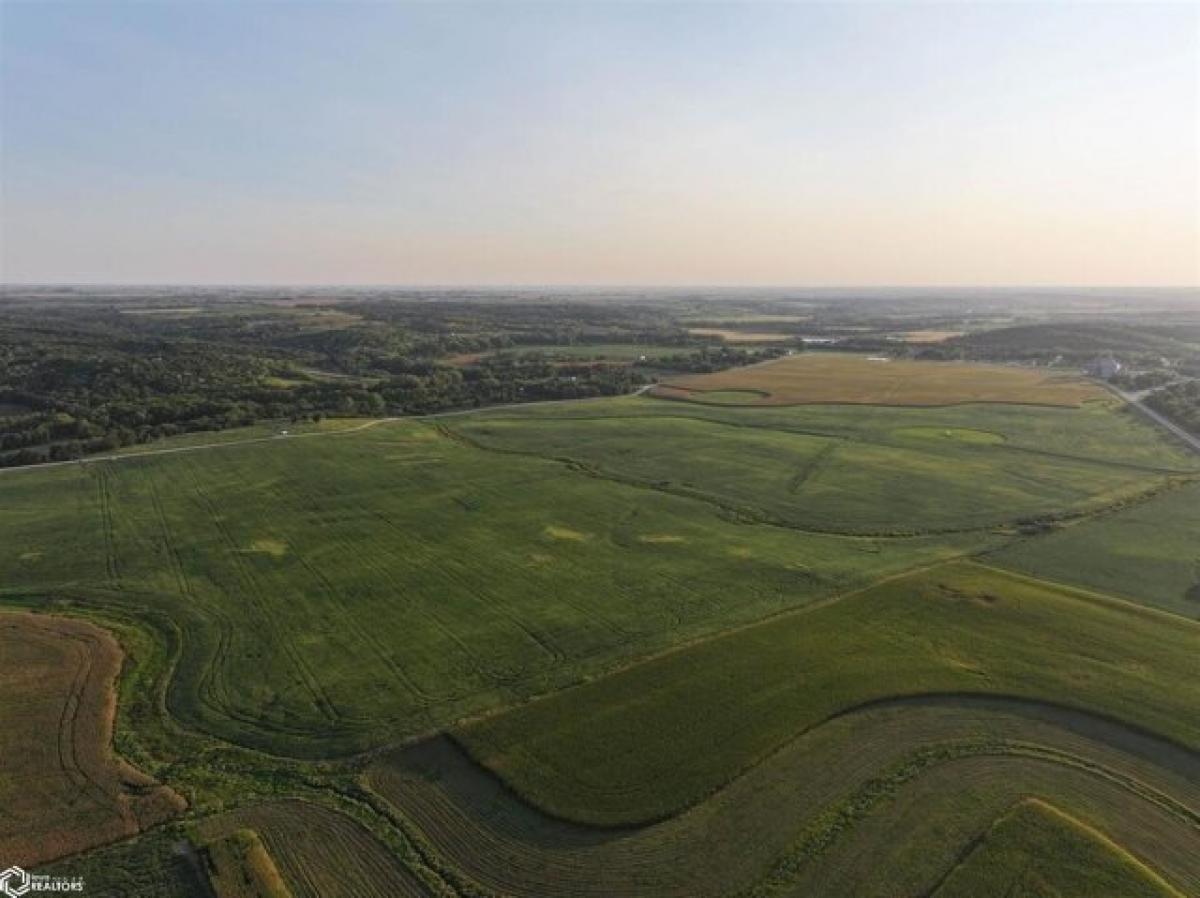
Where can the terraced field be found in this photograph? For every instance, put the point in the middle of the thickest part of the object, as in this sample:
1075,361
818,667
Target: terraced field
627,749
637,647
765,831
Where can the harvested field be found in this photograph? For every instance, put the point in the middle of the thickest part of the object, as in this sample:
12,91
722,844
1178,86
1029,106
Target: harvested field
621,750
842,378
63,790
929,336
740,336
735,839
320,853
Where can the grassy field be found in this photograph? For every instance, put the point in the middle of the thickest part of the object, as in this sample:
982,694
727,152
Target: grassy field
844,378
1148,553
648,742
62,790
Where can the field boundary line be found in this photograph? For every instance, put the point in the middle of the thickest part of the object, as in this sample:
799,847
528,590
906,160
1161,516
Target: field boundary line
1088,594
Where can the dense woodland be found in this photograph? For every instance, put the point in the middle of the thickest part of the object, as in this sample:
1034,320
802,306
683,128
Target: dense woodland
84,371
79,377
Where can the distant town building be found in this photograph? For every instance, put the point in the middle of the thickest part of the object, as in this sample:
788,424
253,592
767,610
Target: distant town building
1104,368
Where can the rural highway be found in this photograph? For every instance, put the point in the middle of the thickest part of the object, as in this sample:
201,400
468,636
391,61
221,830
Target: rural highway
222,444
1192,441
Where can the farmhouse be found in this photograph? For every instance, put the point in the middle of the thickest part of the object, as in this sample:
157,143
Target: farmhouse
1104,367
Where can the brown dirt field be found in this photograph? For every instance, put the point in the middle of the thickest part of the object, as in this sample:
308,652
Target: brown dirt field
464,359
930,336
734,336
63,790
854,379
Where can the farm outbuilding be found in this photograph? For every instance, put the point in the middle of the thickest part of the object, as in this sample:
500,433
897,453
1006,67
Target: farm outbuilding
1105,368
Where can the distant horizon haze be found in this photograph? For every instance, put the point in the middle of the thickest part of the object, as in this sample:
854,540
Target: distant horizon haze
600,145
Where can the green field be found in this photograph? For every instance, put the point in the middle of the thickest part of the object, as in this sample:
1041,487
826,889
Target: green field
648,742
836,469
634,647
1148,553
800,821
1037,850
404,578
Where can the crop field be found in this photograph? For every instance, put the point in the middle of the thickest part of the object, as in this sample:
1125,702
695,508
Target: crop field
405,578
620,750
1148,553
622,647
1013,857
915,477
778,824
62,790
843,378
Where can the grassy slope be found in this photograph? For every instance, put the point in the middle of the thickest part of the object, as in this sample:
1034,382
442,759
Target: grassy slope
649,741
1037,851
340,591
1149,552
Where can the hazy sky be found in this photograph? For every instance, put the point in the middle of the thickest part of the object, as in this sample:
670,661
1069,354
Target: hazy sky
605,143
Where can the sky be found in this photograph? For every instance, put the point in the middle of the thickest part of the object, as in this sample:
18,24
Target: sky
634,143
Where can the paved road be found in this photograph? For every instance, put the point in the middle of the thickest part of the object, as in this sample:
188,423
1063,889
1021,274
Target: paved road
1135,401
87,460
